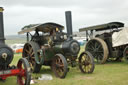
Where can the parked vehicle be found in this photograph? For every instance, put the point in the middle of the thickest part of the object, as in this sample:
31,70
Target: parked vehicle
50,46
106,41
22,70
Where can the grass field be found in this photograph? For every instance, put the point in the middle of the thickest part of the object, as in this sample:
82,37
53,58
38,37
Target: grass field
111,73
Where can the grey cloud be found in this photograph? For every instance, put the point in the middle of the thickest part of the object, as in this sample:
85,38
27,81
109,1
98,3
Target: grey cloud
65,3
44,3
84,12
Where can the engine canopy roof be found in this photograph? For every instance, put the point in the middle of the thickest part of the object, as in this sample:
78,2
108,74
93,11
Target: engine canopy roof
102,27
46,27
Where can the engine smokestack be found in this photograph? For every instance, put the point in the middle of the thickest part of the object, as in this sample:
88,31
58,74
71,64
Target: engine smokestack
2,39
69,22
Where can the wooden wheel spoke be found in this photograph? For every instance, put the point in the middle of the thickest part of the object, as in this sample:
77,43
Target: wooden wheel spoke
86,66
86,69
89,69
99,46
56,61
59,66
100,56
33,61
96,45
26,51
30,50
61,70
29,46
87,58
32,58
91,44
83,57
32,54
90,49
90,66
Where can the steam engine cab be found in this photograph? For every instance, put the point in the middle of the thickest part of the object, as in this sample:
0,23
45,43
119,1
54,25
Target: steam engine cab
50,35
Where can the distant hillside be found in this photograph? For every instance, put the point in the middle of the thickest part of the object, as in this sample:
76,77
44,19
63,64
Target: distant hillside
12,39
8,37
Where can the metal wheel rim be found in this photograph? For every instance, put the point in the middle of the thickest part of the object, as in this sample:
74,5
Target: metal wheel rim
28,53
25,76
86,63
59,66
93,45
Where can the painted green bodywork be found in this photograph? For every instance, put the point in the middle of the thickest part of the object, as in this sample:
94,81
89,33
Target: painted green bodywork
50,53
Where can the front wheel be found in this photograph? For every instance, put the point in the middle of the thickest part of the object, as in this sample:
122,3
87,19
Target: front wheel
60,66
25,72
86,62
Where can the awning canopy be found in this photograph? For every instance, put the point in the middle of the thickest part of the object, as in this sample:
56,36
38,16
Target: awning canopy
101,27
46,27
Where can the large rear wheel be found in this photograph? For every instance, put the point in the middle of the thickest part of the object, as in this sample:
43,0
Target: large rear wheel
30,52
98,48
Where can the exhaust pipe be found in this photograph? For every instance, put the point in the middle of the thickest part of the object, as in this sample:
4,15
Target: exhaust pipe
69,23
2,39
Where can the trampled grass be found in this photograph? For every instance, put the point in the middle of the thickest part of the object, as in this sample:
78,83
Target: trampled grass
111,73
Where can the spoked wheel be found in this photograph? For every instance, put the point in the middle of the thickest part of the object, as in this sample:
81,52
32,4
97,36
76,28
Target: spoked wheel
99,50
60,66
30,52
86,62
25,75
125,54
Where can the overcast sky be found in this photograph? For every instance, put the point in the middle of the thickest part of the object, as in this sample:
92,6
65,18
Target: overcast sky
19,13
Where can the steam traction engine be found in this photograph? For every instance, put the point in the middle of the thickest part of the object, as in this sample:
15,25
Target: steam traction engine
50,46
107,41
6,56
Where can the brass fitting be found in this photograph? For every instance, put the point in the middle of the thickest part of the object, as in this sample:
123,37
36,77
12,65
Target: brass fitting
4,56
1,9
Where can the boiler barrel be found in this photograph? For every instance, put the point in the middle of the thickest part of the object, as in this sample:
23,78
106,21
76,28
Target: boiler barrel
71,47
